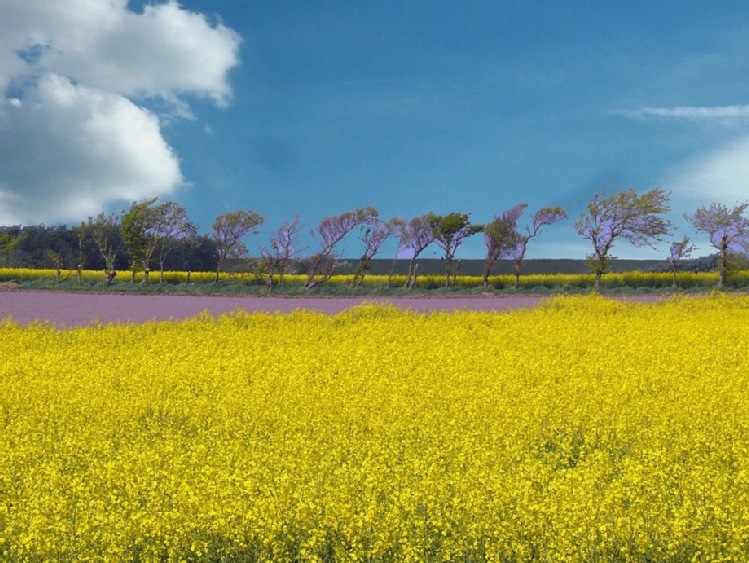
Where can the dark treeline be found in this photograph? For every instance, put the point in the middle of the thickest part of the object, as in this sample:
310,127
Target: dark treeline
474,267
39,247
152,235
43,246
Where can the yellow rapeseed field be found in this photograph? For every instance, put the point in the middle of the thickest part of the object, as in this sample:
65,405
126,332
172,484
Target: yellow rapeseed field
561,282
584,430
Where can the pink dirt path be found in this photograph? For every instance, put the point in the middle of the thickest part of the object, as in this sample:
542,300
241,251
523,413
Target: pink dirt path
80,309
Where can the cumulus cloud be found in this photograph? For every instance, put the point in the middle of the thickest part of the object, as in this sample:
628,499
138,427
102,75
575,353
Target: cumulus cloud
74,135
69,149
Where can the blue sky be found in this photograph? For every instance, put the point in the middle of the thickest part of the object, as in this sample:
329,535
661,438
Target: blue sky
315,108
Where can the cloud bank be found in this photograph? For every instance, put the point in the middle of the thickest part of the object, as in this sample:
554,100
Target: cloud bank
74,74
720,173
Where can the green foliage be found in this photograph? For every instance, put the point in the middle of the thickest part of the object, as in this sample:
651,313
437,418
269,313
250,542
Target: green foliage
449,232
626,214
8,243
102,230
136,226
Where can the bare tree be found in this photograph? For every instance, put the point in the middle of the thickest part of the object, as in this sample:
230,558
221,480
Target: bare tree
80,232
543,217
330,232
415,235
728,230
283,248
102,229
227,233
501,236
450,231
169,226
679,250
626,215
373,238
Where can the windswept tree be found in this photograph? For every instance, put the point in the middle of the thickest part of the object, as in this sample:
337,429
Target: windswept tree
679,250
103,229
80,233
624,215
227,233
374,236
330,232
728,230
500,237
415,236
137,226
450,231
283,248
541,218
170,225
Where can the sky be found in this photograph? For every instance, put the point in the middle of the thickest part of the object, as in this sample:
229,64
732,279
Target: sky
317,107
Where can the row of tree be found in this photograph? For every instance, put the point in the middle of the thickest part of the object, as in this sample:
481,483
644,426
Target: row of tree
150,234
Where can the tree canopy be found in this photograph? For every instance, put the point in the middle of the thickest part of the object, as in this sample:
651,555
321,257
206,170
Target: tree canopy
227,233
728,230
624,215
450,231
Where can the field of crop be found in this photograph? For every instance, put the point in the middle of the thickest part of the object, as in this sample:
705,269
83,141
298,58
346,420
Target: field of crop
581,430
556,282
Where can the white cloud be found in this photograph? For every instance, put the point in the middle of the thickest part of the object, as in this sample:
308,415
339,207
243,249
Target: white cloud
69,150
720,175
72,138
695,112
162,52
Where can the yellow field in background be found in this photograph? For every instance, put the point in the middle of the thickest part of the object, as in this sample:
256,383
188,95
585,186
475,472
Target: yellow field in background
584,430
739,278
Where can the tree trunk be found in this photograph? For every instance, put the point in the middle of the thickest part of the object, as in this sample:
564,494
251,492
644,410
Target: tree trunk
488,265
392,270
110,276
411,271
416,273
598,279
360,272
455,273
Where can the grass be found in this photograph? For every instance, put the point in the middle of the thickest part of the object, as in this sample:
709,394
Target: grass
339,286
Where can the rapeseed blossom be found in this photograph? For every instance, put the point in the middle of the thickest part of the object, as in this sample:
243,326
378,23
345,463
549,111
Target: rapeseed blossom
583,430
558,282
